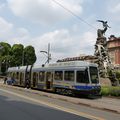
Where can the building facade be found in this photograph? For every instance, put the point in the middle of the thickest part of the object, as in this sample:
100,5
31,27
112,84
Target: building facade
113,45
88,58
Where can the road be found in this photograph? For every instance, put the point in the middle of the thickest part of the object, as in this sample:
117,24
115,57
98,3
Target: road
26,105
14,107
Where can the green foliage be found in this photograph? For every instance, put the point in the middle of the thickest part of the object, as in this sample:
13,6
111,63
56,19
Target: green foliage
16,55
118,75
110,91
112,77
29,55
17,52
4,56
6,48
105,91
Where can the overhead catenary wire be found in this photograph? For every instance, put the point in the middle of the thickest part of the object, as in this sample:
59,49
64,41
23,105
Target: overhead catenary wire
71,12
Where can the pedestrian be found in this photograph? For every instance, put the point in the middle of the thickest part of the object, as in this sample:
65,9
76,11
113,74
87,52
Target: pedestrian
27,83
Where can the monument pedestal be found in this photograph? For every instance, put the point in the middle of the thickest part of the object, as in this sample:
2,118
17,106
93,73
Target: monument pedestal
105,82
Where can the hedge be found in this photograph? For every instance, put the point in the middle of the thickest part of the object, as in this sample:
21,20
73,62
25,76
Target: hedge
110,91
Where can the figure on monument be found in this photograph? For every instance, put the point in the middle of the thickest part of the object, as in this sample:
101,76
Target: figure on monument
101,32
105,25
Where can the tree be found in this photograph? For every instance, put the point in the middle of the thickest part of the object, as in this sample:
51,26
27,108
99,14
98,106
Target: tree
29,55
4,56
17,54
6,48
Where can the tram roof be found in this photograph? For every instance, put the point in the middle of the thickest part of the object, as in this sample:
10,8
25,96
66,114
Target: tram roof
20,68
55,65
68,64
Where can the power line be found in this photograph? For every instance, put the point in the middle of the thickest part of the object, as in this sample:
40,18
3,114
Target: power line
71,12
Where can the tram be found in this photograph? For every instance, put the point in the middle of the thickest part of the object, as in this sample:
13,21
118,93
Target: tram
72,77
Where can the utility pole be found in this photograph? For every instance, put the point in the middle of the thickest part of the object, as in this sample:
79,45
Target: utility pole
48,54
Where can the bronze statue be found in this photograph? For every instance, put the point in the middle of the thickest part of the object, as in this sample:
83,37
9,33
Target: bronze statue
101,32
105,25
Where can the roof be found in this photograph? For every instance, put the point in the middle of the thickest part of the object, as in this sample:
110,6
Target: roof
58,65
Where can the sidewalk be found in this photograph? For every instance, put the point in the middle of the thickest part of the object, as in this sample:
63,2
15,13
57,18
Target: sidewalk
104,103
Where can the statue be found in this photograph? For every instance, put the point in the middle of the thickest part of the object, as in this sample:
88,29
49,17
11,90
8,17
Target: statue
101,51
100,32
105,25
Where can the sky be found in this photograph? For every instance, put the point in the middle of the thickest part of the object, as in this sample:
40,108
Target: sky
69,26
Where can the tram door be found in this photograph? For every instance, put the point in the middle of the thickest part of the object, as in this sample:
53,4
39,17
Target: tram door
49,80
28,76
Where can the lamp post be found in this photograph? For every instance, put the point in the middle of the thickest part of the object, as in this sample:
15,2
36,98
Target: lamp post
48,54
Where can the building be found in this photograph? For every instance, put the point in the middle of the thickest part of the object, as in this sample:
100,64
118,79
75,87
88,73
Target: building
113,45
89,58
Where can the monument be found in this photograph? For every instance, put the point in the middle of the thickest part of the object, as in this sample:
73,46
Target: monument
101,52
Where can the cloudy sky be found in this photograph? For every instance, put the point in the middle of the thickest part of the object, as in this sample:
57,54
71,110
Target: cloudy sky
39,22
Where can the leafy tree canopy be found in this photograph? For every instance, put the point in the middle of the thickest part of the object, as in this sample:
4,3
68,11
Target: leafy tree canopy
6,48
29,55
16,55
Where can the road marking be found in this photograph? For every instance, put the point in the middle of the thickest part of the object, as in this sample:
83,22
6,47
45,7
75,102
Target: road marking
56,106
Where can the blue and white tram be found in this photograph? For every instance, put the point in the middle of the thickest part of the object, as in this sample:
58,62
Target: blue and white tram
63,77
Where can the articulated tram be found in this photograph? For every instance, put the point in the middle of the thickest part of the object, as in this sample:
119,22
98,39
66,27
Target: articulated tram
73,77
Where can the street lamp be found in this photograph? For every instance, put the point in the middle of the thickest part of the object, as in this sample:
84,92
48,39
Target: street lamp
47,53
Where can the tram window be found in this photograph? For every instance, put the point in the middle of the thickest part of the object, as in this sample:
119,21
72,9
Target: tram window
94,75
13,75
41,76
82,77
48,76
58,75
21,76
69,76
17,75
35,76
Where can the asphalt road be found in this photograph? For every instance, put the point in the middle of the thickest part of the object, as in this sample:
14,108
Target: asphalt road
13,107
19,103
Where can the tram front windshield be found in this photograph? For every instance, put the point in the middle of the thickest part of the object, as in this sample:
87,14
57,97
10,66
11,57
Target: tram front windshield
82,76
94,75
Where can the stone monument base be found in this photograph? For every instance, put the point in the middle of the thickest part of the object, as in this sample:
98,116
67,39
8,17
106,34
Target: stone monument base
105,82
